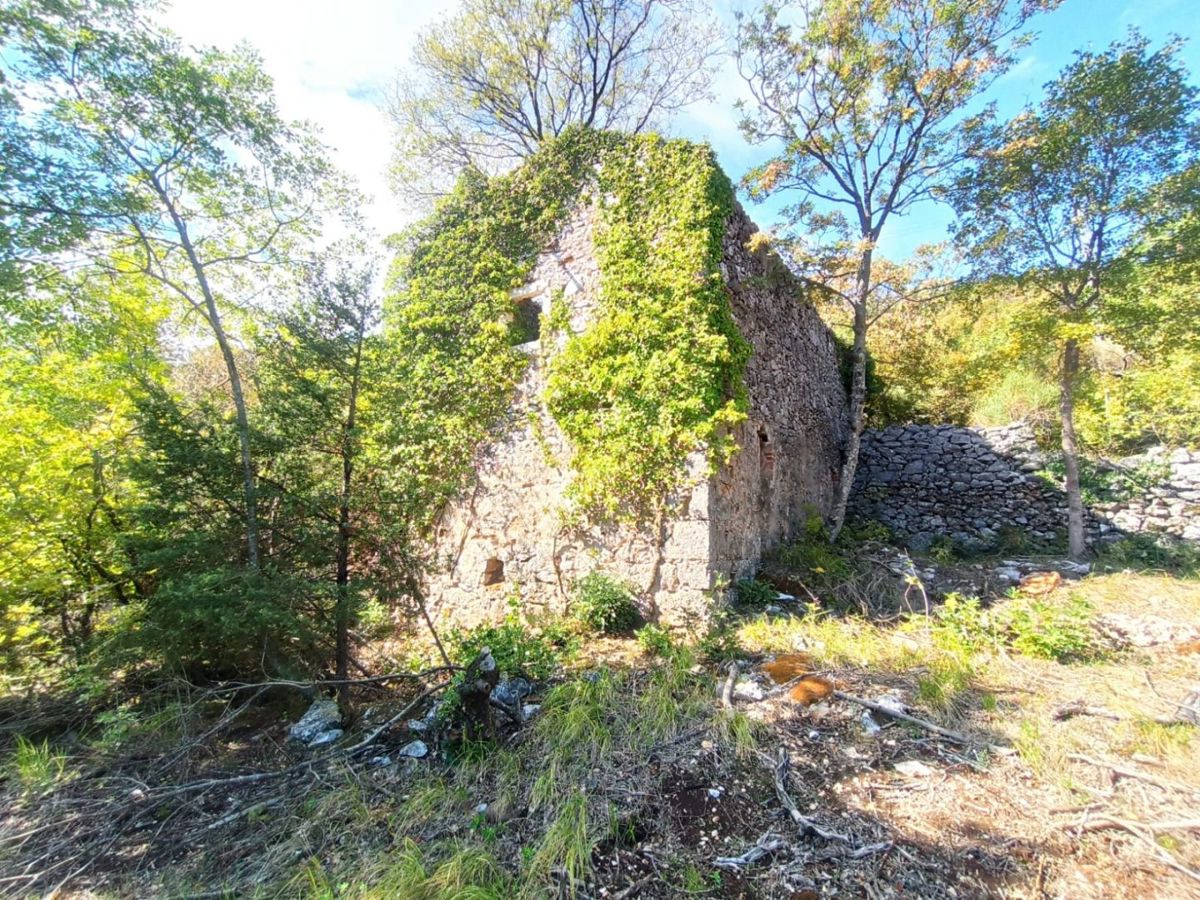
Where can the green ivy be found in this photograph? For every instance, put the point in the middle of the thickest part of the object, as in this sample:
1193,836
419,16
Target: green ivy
659,374
451,319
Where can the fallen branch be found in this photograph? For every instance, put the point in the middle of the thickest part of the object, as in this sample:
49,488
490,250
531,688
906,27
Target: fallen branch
256,777
1079,708
730,681
1138,830
1133,773
767,845
234,686
809,826
905,717
634,888
1103,822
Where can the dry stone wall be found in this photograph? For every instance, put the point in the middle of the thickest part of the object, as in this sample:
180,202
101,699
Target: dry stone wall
976,487
1171,506
508,533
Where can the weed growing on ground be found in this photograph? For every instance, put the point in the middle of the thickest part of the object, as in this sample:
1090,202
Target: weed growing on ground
655,640
35,766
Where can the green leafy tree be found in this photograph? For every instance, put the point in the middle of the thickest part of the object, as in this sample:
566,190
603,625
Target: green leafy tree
68,358
491,84
154,161
862,102
1063,191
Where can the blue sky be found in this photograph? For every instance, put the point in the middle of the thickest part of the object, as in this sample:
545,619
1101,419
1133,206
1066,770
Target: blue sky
332,62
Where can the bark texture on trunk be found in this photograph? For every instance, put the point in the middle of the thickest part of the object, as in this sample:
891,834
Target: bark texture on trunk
858,397
1076,543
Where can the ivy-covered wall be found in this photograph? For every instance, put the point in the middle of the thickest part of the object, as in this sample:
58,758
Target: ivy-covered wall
631,435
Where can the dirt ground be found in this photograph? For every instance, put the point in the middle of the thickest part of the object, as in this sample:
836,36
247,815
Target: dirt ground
1063,779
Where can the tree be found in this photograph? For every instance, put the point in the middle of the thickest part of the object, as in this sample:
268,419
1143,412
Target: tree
153,161
862,101
488,86
1061,193
315,367
69,358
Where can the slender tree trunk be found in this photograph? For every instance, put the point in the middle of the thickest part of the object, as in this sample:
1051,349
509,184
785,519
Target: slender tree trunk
858,396
1077,547
249,479
213,315
342,609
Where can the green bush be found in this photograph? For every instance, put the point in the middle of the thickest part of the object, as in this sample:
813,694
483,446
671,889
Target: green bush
720,643
1143,551
603,604
655,640
1050,631
518,651
752,592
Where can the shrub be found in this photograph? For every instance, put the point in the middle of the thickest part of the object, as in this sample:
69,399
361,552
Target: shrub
1051,631
516,649
605,605
655,640
963,627
752,592
720,643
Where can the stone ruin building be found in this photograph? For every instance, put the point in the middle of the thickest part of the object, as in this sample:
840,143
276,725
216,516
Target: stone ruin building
507,531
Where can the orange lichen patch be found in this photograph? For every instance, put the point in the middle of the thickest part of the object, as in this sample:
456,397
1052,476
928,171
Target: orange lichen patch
1038,583
811,689
1189,647
787,666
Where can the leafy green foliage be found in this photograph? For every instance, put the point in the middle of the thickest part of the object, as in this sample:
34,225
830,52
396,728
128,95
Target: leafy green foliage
603,604
451,318
658,375
518,651
1040,627
752,592
655,640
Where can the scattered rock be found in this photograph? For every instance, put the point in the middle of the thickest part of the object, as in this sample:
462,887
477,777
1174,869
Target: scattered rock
1143,631
319,720
748,689
415,750
325,737
510,692
913,768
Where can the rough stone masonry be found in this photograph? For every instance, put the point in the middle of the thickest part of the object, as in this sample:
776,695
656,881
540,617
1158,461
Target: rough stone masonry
976,487
507,533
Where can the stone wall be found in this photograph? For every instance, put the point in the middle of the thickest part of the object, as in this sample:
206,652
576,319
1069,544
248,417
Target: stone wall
977,488
508,534
1172,506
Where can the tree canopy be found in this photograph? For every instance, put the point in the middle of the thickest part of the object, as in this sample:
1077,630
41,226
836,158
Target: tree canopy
484,89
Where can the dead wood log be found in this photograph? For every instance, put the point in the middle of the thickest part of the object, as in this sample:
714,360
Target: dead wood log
475,692
730,681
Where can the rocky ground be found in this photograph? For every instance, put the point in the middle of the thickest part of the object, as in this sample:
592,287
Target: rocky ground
1040,746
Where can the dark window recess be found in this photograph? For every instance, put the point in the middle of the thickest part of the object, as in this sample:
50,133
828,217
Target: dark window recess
493,571
527,323
766,466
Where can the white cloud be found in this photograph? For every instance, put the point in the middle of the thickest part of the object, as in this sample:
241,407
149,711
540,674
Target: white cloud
331,64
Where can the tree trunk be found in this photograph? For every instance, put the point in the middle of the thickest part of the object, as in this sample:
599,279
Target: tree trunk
342,609
1077,547
249,479
858,397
